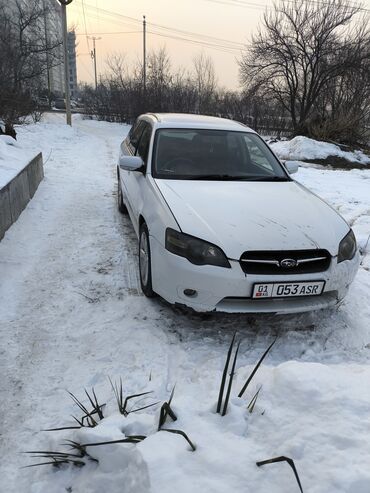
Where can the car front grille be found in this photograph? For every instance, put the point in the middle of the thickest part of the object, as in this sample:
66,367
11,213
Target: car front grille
271,262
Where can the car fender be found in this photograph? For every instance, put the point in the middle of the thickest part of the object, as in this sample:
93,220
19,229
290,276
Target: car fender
155,211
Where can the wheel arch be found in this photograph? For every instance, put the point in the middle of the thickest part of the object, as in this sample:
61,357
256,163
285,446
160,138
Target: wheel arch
146,285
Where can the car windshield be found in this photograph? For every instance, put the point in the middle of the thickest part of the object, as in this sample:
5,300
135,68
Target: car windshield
200,154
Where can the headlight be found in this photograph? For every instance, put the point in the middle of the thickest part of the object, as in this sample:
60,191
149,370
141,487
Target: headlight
347,247
198,252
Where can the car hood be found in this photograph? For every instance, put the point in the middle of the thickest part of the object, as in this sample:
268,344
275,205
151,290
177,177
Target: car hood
240,216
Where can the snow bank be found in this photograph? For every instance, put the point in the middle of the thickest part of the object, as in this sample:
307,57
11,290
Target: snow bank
31,139
305,149
13,158
313,413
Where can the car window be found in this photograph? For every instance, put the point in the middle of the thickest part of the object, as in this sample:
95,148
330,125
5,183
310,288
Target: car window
257,154
143,146
135,134
214,155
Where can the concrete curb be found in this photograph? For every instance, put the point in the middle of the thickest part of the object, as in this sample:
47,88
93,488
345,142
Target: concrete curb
18,192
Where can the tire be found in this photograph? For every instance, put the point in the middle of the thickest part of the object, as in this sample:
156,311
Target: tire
121,206
145,264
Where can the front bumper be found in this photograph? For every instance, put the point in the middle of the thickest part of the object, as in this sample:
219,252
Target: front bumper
230,290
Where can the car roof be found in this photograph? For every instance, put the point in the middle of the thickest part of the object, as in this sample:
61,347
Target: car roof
187,120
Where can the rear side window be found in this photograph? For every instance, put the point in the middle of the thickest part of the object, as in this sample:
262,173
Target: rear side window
135,134
143,147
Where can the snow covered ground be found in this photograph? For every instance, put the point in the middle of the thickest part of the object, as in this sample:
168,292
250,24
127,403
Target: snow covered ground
72,315
13,158
305,149
31,139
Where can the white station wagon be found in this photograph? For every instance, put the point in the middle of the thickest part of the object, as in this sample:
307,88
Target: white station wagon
222,225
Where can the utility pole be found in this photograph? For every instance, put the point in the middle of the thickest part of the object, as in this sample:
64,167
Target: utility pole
47,52
64,4
144,57
93,56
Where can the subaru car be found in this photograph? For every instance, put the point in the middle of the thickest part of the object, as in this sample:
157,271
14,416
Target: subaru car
221,224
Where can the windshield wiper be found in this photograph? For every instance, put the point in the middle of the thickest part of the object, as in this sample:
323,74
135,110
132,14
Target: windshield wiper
217,177
268,178
273,178
235,178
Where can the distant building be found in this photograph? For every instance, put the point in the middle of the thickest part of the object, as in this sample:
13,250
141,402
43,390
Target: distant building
72,62
53,29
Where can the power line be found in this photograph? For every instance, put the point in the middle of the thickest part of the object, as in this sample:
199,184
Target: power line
244,4
112,18
218,47
236,3
84,18
160,26
221,48
107,33
218,44
323,3
110,12
225,49
204,42
86,67
201,38
97,12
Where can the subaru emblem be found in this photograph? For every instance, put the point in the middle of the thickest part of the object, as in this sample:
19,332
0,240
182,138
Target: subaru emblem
288,263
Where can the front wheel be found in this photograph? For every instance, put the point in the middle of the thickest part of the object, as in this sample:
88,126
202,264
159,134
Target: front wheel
145,265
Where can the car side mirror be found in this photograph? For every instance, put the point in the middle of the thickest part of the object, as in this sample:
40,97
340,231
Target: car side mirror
131,163
291,166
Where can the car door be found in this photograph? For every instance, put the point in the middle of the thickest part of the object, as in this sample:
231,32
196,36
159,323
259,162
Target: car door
128,148
138,182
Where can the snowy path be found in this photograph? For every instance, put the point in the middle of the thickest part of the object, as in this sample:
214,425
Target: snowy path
72,313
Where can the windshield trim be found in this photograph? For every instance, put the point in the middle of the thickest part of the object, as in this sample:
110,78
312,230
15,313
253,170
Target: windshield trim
161,176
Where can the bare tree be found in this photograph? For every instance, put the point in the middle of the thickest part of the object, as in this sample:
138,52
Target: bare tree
301,48
205,81
25,57
159,78
342,111
119,96
183,94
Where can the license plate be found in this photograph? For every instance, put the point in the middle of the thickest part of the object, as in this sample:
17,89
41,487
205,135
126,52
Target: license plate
287,289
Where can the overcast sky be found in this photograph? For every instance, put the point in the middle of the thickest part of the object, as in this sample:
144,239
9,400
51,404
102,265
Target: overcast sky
199,21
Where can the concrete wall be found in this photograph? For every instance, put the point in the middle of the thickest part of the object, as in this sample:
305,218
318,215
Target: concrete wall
18,192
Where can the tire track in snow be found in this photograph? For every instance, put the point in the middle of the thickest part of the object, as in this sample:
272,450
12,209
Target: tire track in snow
128,253
64,251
